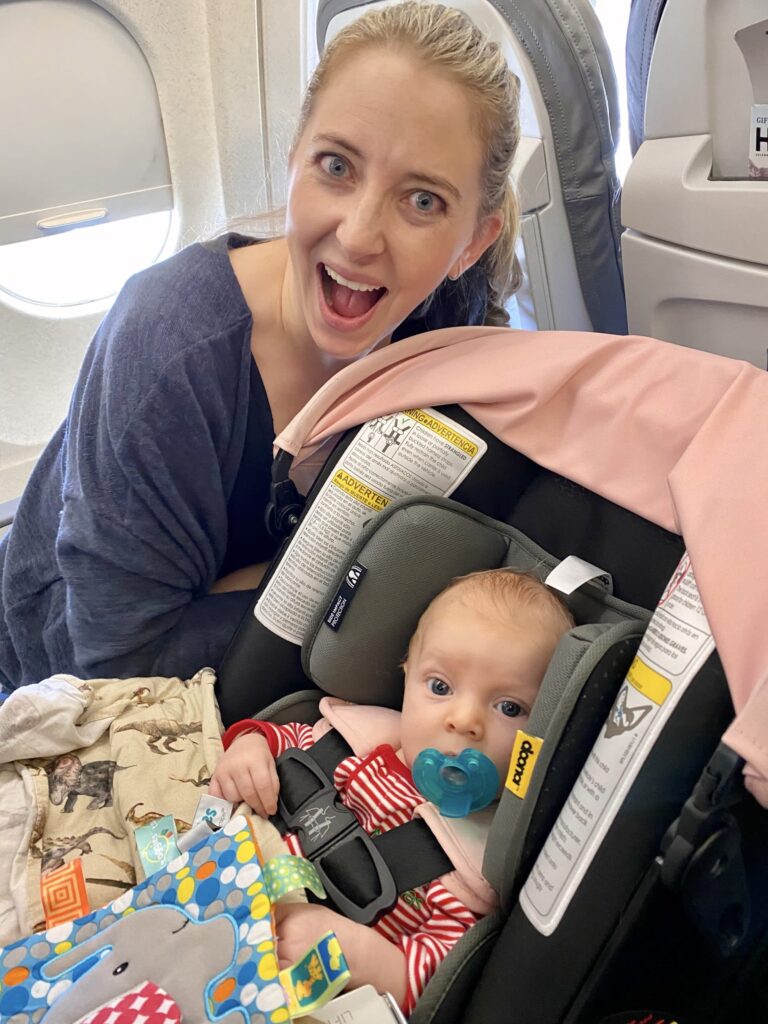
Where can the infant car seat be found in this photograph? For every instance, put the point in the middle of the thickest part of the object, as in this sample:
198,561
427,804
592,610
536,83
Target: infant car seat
631,873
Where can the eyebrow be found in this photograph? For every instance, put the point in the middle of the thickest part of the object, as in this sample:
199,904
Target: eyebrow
428,179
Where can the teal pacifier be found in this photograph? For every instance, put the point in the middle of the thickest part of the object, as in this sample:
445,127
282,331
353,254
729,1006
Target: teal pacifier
456,785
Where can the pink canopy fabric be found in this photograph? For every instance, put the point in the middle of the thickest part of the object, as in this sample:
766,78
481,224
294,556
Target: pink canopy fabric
676,435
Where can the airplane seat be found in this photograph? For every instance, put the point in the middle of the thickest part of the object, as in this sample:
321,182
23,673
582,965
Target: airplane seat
695,249
642,26
564,168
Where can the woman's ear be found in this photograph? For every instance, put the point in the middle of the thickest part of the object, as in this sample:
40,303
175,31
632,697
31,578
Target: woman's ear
486,233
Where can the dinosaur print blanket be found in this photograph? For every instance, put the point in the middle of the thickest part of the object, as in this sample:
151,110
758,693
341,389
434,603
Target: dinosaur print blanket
82,764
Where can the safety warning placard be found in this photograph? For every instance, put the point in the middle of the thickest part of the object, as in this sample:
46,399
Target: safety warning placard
419,451
675,646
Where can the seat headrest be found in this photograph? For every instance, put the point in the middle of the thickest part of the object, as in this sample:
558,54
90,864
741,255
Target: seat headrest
405,557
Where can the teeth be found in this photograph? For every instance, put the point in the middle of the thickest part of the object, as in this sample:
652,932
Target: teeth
354,286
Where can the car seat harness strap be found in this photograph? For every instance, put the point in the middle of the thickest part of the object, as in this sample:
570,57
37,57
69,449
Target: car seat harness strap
362,874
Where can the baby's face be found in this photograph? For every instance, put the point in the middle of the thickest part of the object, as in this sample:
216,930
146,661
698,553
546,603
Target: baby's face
471,679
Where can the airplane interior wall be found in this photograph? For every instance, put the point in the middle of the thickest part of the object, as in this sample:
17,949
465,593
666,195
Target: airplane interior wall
695,248
215,85
228,76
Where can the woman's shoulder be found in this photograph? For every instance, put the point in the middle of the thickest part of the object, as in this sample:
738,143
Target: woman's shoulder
187,309
177,335
195,292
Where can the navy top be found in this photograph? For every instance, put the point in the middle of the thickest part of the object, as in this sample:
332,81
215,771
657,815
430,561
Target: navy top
147,493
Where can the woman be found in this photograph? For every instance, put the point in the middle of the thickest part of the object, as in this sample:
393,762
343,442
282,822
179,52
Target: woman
139,538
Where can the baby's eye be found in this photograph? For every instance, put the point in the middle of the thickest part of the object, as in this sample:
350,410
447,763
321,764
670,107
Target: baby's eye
510,708
439,687
425,202
334,165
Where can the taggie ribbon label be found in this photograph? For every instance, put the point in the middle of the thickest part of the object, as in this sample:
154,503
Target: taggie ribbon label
287,873
213,812
63,894
211,815
317,978
156,844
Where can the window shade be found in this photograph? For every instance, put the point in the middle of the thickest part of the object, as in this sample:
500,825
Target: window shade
82,135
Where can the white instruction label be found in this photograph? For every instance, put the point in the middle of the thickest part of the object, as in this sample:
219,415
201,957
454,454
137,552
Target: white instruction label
420,451
675,646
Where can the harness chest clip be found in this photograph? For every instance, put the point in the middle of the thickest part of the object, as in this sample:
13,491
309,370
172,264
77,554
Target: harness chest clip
353,871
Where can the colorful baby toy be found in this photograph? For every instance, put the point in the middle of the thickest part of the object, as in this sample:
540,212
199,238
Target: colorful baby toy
193,942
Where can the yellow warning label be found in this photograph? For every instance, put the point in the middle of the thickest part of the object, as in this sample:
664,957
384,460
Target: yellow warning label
443,430
650,683
524,754
357,489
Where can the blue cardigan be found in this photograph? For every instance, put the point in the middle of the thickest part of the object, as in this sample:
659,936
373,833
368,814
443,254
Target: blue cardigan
124,524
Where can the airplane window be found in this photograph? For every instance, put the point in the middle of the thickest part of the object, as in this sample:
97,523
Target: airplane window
614,15
85,191
84,265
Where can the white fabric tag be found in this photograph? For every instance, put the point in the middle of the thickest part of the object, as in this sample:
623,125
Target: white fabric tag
573,572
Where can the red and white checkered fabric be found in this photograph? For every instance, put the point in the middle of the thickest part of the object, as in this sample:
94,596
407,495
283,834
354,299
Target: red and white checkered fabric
145,1004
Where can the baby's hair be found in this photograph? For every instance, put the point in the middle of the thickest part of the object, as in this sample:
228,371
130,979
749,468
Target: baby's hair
507,591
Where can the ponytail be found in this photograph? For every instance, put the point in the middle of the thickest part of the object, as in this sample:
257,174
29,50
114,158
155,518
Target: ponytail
500,262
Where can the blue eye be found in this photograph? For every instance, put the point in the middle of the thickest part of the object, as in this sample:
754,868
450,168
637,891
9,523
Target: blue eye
510,708
439,687
334,165
425,202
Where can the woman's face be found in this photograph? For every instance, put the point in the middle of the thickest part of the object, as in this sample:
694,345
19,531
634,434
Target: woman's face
383,201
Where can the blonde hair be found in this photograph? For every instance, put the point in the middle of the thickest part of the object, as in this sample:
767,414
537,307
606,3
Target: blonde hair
445,38
508,591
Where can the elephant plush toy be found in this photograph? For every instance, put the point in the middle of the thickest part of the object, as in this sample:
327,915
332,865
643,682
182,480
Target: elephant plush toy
199,932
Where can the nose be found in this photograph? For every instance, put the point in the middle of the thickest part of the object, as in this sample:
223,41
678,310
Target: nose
465,719
361,229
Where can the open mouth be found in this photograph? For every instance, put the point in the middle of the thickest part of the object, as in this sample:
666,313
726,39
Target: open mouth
349,300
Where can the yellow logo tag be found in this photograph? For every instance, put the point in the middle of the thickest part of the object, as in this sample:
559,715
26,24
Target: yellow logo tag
524,754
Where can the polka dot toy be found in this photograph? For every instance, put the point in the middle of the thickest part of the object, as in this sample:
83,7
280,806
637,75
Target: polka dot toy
212,901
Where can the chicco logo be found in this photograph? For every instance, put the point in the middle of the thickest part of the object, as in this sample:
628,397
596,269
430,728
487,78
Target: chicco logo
526,749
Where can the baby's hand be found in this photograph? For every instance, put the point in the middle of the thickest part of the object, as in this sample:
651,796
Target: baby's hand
247,772
372,959
301,925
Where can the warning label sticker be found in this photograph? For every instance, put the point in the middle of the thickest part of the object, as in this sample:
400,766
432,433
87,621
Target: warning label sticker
419,451
675,646
357,489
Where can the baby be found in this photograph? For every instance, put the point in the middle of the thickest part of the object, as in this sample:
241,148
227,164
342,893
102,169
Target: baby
472,672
